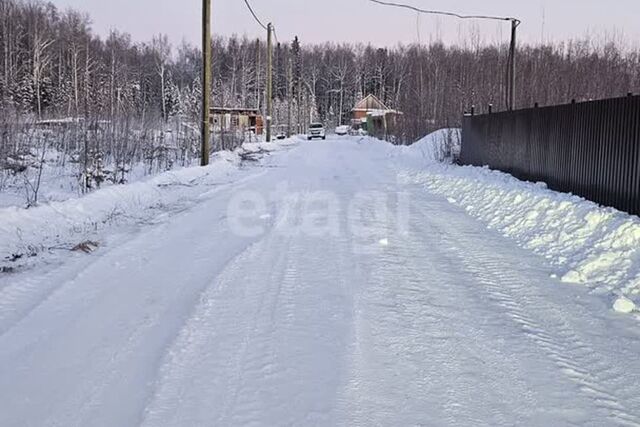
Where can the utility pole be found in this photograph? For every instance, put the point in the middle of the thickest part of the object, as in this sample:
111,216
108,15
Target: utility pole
258,82
269,80
512,65
206,80
299,105
289,96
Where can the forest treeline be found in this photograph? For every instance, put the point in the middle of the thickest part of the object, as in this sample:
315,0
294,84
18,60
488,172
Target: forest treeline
54,66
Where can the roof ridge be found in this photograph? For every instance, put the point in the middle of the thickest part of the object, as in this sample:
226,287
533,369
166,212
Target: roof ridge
377,103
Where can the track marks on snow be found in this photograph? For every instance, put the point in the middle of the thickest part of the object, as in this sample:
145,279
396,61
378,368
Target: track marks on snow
505,282
409,325
264,343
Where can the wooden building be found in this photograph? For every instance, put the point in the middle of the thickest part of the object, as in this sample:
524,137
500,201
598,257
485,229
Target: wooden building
372,115
233,119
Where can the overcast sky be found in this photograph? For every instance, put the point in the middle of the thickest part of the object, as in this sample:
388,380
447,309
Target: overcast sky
317,21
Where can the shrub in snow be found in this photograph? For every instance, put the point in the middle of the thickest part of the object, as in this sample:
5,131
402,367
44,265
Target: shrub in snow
26,232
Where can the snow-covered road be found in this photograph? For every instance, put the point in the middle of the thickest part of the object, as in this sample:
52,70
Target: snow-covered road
318,289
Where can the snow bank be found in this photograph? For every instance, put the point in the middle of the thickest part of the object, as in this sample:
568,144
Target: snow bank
589,244
440,146
25,232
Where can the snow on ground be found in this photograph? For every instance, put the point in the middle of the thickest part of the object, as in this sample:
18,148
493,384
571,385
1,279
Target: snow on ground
588,244
67,223
57,182
335,283
437,147
60,176
591,245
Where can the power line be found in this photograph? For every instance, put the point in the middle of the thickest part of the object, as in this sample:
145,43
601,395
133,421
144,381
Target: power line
511,63
264,27
271,32
437,12
255,16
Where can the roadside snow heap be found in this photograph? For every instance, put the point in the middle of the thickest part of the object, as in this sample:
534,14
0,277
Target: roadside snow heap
440,146
590,244
62,225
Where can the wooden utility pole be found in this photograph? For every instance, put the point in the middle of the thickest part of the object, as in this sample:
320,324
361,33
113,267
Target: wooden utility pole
269,80
299,104
289,97
512,65
258,81
206,80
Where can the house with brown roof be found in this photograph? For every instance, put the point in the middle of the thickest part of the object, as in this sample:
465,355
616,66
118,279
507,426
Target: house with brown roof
372,115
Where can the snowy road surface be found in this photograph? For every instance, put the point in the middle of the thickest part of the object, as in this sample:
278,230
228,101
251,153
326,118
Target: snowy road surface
319,289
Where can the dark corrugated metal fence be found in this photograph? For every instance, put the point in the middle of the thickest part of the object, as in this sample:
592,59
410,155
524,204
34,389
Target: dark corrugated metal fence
591,149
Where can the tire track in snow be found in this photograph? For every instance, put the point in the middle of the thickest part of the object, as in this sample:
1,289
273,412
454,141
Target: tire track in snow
256,359
214,317
243,348
104,329
20,297
408,326
573,357
265,343
543,323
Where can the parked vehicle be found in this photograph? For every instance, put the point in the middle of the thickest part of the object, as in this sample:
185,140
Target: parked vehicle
316,130
342,130
282,131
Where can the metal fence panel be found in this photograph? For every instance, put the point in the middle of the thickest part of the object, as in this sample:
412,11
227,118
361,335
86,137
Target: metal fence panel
591,149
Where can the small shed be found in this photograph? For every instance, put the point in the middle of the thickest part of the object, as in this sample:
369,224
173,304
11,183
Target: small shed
225,119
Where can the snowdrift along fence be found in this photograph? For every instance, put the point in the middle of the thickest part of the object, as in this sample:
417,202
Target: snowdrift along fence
591,149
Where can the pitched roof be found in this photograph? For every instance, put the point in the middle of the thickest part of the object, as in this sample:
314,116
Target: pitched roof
371,102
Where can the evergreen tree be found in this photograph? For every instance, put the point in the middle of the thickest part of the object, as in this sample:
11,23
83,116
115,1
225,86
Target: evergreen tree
297,65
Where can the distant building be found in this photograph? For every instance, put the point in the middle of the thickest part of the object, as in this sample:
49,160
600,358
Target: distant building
233,119
66,123
372,115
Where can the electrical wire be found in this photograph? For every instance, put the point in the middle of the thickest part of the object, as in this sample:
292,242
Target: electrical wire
255,16
516,22
437,12
265,27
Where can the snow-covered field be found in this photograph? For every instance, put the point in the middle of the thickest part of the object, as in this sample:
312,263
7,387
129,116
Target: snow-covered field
343,282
